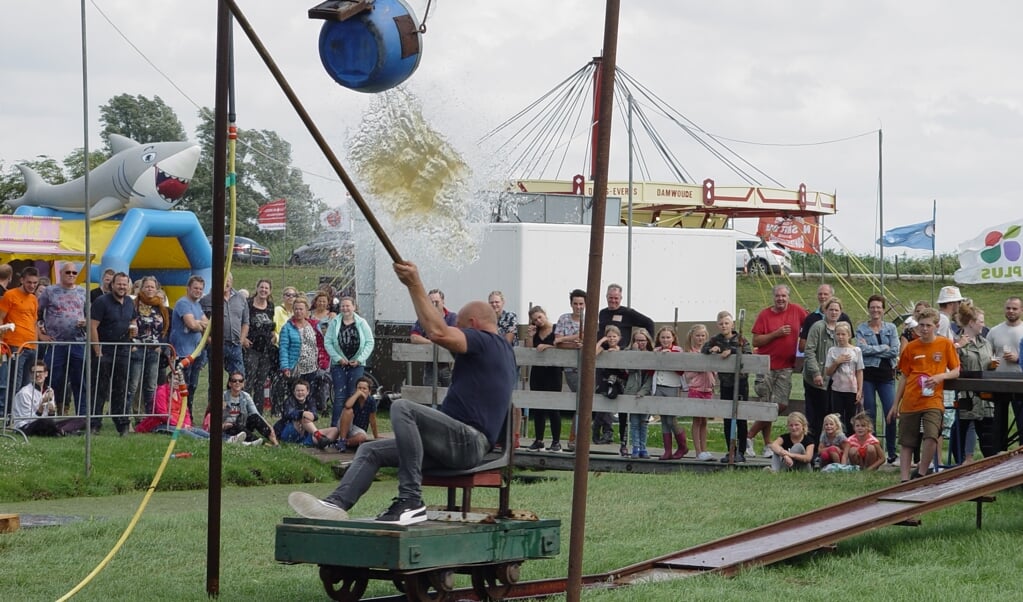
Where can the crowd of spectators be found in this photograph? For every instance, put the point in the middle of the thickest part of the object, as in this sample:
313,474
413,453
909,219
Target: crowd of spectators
309,353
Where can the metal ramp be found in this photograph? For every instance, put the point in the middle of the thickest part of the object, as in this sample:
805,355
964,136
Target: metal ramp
824,527
814,530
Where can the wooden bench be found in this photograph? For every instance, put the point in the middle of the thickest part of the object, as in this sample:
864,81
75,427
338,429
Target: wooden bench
566,400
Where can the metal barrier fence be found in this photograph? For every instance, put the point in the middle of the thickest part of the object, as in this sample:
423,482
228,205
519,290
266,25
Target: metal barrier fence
124,379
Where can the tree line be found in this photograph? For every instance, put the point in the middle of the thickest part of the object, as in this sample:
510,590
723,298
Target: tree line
262,164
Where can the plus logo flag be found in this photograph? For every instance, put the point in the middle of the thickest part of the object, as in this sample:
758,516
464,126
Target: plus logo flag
913,236
994,255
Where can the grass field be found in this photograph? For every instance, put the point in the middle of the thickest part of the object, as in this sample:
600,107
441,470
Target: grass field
630,518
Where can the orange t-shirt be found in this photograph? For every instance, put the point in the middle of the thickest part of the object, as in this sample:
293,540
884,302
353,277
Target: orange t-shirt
925,359
22,310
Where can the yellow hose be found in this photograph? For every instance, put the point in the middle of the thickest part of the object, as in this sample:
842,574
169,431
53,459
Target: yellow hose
182,389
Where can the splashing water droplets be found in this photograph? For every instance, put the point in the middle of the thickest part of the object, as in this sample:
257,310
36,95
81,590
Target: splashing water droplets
416,176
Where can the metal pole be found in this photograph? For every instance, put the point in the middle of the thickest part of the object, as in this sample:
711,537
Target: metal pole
87,263
596,254
628,271
880,200
215,385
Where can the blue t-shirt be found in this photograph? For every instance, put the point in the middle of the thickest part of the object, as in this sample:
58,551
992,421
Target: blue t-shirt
481,383
182,339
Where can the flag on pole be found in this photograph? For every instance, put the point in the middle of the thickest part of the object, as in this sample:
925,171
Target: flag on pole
273,215
995,255
913,236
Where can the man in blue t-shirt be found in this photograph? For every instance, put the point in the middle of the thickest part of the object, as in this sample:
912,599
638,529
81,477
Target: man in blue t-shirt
456,436
188,321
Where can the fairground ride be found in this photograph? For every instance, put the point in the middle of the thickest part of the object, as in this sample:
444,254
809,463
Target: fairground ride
542,138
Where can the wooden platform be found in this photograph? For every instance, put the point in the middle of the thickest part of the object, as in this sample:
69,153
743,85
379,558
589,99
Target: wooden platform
9,523
430,544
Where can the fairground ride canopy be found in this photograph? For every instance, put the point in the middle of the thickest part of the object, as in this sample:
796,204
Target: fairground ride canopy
540,140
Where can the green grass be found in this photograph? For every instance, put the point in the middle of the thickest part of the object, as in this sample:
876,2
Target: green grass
630,518
47,468
754,294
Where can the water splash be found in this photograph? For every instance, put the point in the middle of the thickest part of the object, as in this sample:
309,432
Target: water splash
412,172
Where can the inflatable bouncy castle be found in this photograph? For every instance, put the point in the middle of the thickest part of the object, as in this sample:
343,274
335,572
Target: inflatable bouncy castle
131,226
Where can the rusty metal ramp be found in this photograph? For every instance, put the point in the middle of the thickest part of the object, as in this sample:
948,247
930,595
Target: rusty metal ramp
824,527
818,529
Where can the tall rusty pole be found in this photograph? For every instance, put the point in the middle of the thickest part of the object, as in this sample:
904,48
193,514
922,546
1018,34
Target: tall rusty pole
596,256
216,342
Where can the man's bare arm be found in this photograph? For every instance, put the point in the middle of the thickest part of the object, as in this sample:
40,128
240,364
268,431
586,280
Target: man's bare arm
431,321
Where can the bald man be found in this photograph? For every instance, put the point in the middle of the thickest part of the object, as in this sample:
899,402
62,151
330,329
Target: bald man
456,436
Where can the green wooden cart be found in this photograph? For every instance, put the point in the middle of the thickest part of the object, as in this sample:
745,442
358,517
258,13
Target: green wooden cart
421,559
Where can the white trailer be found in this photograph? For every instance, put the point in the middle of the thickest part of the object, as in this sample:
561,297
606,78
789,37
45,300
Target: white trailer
690,271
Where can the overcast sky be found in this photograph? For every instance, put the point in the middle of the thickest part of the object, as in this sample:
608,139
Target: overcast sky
940,78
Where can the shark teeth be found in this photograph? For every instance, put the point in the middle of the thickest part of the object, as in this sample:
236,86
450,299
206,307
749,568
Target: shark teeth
170,187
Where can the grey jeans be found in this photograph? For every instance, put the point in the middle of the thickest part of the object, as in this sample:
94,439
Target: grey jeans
424,438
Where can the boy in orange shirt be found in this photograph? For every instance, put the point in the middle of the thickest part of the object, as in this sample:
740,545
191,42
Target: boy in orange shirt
20,307
925,364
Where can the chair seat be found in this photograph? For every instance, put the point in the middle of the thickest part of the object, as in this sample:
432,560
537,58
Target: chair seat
494,470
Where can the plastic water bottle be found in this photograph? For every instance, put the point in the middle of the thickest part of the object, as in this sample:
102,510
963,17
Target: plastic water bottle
182,455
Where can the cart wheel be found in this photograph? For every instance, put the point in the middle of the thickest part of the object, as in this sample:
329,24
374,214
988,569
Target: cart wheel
418,586
494,581
352,582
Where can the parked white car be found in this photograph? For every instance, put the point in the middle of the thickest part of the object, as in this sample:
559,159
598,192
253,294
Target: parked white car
755,256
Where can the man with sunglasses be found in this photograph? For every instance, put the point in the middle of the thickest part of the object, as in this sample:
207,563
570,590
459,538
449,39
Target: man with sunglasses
62,308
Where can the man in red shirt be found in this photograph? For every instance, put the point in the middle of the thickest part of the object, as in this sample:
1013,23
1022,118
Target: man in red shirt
776,334
925,364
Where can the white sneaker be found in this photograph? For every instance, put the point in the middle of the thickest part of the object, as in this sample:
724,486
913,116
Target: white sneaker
767,452
750,451
239,438
704,456
257,442
311,506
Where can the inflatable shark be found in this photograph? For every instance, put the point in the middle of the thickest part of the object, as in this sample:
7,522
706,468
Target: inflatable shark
148,176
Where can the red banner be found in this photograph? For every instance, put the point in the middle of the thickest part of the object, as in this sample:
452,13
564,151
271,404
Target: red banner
798,233
273,215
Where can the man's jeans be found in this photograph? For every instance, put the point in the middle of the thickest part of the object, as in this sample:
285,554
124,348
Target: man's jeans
67,365
233,361
144,372
423,438
112,386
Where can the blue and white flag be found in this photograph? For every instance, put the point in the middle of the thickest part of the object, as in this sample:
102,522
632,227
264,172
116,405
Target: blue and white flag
914,236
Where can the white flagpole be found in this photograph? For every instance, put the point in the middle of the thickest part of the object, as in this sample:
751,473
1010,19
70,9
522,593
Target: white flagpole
934,241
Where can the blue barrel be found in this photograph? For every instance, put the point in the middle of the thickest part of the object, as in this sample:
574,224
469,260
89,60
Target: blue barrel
374,50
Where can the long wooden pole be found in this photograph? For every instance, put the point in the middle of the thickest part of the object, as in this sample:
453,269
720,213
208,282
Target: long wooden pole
596,256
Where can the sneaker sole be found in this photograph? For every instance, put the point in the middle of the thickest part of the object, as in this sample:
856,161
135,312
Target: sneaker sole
311,506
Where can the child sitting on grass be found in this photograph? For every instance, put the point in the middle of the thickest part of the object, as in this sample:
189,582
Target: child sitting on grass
794,449
833,441
864,449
